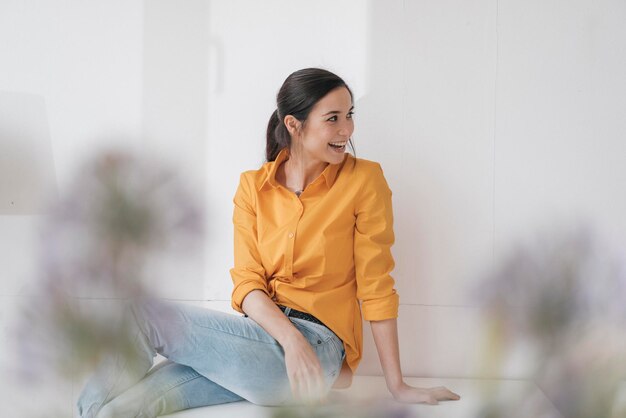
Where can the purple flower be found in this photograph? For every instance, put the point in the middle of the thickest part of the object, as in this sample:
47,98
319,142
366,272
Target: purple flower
120,212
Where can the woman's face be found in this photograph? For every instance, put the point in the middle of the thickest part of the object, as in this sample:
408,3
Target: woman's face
328,127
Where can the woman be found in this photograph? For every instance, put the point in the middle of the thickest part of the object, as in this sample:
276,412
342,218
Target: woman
313,232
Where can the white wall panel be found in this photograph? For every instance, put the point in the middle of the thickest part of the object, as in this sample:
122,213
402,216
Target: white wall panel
175,107
85,59
429,122
18,252
27,175
560,151
438,341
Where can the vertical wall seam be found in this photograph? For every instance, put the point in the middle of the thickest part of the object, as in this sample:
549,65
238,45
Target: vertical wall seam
403,64
495,119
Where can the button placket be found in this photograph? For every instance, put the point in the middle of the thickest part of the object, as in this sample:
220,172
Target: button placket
291,239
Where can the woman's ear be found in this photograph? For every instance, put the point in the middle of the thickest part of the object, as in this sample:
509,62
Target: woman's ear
293,125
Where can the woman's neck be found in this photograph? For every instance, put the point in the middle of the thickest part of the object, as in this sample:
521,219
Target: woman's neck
301,171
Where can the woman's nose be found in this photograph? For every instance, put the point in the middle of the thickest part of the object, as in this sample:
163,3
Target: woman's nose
345,131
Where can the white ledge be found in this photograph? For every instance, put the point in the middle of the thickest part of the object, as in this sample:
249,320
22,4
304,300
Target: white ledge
521,398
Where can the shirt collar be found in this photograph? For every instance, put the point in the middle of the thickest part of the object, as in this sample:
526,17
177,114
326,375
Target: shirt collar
270,179
329,173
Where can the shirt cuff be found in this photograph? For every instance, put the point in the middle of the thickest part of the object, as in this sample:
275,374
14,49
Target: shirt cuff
380,309
242,290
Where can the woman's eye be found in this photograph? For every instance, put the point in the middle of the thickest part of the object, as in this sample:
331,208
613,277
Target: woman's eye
334,118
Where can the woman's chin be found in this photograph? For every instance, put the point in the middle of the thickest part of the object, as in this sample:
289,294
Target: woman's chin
336,157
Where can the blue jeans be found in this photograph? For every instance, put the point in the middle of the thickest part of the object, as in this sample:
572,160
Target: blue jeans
213,358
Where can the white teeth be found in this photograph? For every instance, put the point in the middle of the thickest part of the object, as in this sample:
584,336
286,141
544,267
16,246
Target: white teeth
338,144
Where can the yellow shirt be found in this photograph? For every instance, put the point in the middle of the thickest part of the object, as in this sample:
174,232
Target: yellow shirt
320,253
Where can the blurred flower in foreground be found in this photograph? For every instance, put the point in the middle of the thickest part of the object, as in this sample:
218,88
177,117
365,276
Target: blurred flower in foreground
563,295
371,409
120,211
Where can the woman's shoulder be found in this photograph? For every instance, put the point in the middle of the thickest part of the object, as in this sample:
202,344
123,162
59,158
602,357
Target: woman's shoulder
363,167
256,177
367,175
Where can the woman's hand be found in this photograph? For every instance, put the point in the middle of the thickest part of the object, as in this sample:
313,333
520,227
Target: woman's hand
303,369
431,396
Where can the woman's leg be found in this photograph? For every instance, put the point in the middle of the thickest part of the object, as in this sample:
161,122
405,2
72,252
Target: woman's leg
116,373
171,387
232,351
168,387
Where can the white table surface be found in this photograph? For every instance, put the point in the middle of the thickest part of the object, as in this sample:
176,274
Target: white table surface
520,398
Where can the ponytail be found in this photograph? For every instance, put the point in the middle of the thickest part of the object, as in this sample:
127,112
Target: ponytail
277,137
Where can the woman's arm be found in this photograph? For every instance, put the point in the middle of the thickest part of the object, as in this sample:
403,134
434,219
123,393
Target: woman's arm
385,334
303,367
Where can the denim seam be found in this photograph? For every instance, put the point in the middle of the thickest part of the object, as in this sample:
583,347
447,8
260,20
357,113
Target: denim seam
235,335
336,349
178,383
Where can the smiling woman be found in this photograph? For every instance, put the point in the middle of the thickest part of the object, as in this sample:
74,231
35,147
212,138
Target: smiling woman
335,126
313,230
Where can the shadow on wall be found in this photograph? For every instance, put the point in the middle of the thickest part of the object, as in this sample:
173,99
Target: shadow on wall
27,176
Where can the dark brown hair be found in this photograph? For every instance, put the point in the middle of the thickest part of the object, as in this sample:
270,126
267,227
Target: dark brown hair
296,97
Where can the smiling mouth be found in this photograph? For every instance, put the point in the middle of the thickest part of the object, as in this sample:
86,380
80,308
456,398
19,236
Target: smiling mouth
337,145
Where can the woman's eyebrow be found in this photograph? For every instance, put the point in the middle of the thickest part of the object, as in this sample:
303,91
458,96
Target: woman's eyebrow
335,112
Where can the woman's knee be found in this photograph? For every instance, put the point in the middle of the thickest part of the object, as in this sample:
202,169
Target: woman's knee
145,313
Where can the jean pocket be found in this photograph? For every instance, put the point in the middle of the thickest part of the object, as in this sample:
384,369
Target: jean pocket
316,334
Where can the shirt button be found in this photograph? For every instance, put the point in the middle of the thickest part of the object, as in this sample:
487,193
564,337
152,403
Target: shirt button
291,235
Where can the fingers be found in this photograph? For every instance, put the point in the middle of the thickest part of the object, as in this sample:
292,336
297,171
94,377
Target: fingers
304,389
308,385
314,386
320,385
295,387
444,394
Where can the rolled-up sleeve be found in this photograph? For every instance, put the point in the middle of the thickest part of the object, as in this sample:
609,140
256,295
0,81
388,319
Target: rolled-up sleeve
373,238
248,273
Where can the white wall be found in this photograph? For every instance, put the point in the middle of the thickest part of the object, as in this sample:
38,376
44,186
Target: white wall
493,120
77,69
490,118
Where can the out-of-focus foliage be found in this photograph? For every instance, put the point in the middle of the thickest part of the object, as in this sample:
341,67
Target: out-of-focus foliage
563,295
371,409
120,212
